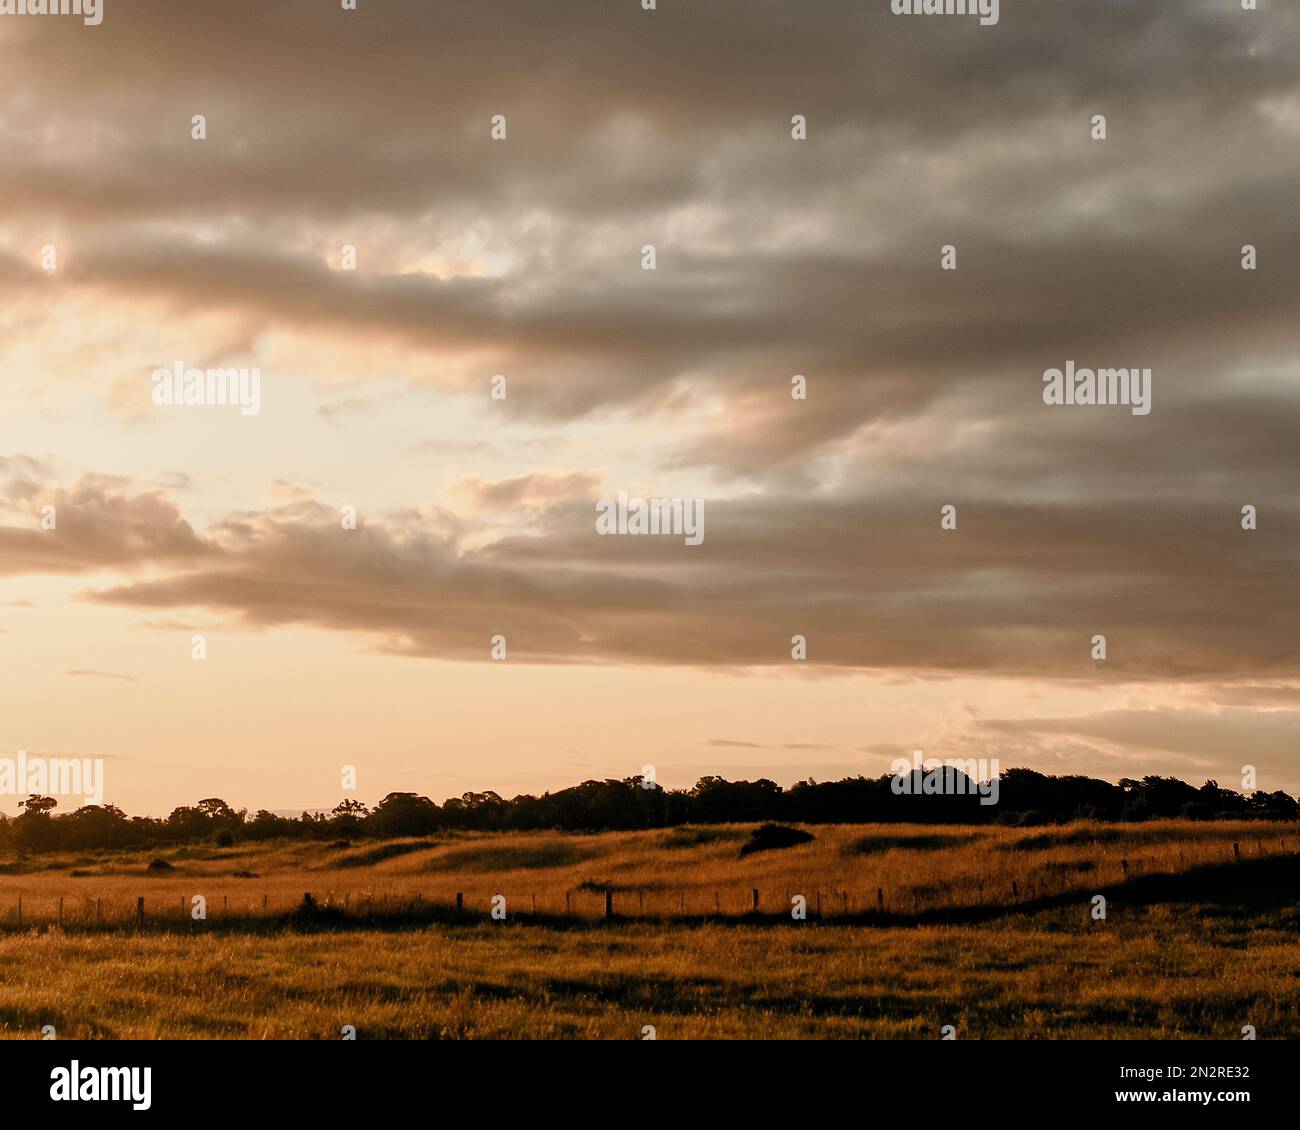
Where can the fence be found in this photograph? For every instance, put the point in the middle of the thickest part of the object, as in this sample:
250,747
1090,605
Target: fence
585,903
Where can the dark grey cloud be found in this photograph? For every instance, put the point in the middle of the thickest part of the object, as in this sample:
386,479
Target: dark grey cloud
672,127
1018,590
97,524
775,257
1222,740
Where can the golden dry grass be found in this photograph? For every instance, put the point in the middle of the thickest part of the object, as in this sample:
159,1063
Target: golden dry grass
688,871
1153,976
1186,967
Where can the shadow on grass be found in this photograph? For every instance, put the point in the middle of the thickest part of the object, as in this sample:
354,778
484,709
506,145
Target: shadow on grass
1255,885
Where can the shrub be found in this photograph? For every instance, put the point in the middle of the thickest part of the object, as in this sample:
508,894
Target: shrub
771,837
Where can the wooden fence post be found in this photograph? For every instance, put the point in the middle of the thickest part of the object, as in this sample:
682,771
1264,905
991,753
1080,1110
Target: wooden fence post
880,899
755,900
139,913
460,902
609,903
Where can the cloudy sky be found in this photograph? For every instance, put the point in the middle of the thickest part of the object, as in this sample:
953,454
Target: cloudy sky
523,257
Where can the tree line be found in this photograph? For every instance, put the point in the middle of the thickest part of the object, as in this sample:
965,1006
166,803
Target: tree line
1025,797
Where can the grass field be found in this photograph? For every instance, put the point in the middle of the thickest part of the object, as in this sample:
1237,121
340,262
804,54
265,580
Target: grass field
985,929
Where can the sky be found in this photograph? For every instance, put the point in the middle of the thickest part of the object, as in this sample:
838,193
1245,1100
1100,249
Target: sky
523,256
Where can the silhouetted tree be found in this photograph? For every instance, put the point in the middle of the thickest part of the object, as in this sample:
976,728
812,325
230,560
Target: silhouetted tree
403,814
1025,797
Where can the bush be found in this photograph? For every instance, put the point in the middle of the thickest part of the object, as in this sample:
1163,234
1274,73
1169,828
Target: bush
772,836
225,838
